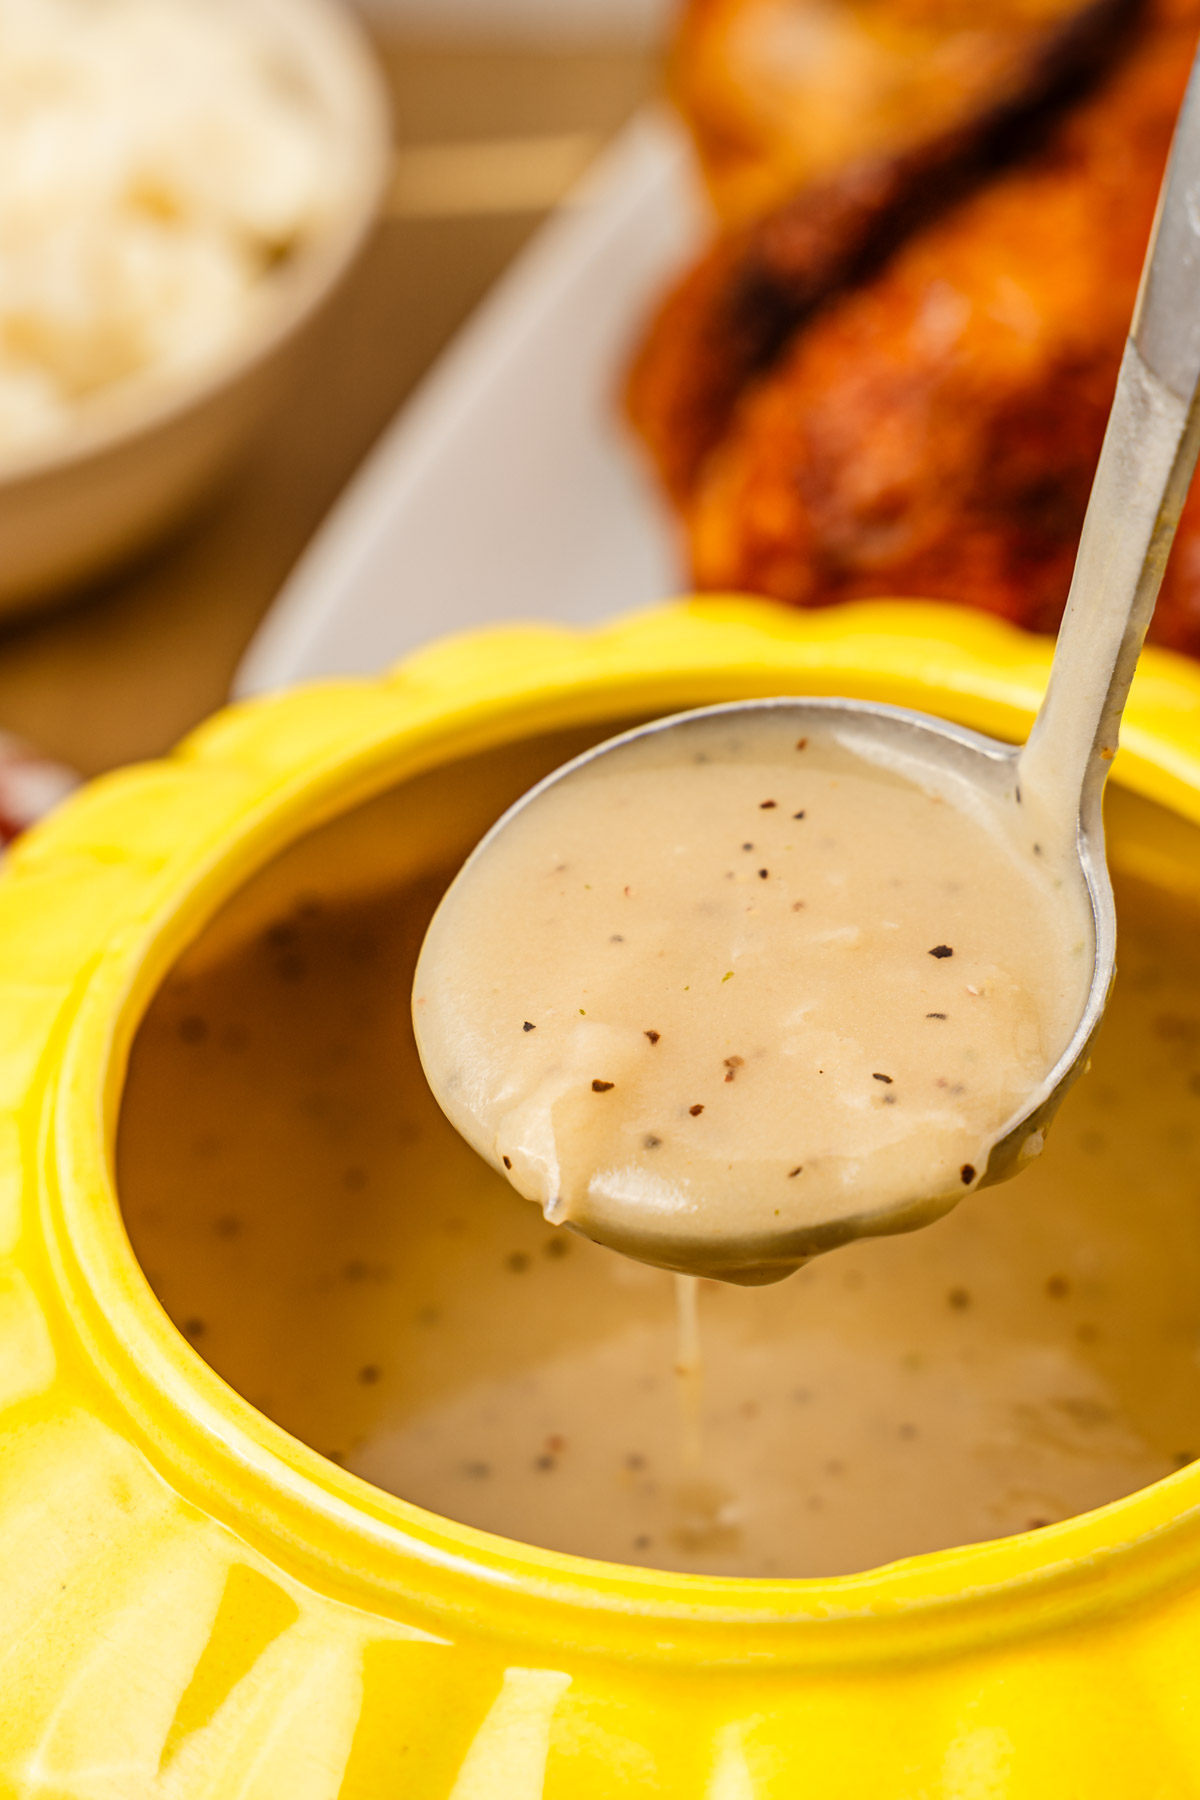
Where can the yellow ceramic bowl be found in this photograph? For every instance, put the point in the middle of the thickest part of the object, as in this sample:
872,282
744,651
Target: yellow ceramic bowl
194,1605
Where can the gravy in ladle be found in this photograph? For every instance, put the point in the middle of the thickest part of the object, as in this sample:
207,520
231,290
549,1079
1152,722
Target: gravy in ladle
725,987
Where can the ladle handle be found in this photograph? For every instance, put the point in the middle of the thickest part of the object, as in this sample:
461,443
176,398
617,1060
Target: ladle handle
1141,483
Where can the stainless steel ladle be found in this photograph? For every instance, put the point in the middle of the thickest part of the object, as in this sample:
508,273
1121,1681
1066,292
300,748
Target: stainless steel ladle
1058,776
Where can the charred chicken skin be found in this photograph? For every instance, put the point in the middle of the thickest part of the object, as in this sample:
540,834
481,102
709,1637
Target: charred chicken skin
897,382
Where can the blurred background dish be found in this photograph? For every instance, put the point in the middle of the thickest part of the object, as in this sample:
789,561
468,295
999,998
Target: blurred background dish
181,186
518,431
992,165
496,106
890,371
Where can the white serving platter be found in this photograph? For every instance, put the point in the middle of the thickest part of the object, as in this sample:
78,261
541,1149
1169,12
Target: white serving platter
509,487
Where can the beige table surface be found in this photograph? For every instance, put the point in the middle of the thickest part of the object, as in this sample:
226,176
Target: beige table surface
484,139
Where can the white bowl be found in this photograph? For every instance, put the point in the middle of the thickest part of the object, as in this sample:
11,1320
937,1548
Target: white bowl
137,460
572,528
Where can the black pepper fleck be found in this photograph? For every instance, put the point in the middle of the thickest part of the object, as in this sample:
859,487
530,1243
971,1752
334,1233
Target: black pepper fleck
940,950
935,1015
876,1076
652,1035
763,874
968,1174
766,805
507,1161
798,1170
696,1110
650,1142
527,1026
602,1087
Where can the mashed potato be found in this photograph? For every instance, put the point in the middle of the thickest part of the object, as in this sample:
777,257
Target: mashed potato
156,162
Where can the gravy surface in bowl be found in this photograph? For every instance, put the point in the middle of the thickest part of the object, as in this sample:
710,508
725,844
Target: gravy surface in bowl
336,1251
724,996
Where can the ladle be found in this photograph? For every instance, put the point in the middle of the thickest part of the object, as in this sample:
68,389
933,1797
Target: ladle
1057,777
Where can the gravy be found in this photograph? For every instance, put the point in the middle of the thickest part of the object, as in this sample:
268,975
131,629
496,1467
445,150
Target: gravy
722,988
337,1252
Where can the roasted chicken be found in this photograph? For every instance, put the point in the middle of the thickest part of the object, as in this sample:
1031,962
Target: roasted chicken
896,383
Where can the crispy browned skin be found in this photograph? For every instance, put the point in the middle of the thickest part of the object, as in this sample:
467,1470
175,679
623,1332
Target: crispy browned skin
734,313
934,432
782,93
926,423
